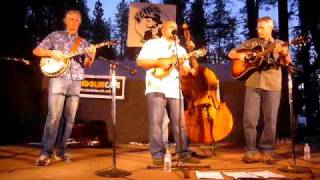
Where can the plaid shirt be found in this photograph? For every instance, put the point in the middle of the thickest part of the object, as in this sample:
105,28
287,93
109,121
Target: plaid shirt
62,41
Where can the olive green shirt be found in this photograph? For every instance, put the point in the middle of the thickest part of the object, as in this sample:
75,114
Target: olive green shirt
269,79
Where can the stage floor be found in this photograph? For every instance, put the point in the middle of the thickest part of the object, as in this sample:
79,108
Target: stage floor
17,162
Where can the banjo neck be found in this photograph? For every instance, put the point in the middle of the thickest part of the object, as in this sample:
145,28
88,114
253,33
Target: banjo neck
76,53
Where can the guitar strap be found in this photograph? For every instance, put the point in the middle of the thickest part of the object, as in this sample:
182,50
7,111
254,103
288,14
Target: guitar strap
76,44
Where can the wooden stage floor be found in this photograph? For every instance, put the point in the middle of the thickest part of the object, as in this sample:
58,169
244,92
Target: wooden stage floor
17,162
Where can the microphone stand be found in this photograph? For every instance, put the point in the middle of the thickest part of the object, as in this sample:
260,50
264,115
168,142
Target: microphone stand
114,172
293,126
180,163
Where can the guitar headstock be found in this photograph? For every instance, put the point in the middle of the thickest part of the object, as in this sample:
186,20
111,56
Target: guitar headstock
200,52
300,40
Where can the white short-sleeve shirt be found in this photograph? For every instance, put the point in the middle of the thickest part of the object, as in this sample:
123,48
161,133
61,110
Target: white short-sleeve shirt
161,48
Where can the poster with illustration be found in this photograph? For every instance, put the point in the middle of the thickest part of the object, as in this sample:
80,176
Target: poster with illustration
146,20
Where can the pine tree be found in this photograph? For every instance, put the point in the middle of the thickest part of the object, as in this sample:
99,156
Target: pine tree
86,24
122,20
180,12
308,58
197,23
101,31
221,30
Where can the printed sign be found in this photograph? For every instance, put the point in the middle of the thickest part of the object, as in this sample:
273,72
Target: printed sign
99,86
146,20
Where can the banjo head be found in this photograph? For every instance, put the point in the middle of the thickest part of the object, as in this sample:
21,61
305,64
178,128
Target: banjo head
52,68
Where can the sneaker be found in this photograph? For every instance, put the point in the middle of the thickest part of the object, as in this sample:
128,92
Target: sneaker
251,157
43,160
64,157
191,160
267,158
158,162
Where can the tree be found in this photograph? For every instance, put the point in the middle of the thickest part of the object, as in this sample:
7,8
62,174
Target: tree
197,23
308,58
80,5
283,19
283,123
220,30
252,7
19,106
122,21
101,31
180,11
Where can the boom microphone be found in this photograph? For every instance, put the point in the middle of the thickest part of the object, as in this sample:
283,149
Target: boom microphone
22,60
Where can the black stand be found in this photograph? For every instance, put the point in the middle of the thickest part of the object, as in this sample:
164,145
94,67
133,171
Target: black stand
293,125
114,172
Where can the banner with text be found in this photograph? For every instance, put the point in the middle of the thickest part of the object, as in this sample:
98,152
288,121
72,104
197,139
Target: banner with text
145,21
99,86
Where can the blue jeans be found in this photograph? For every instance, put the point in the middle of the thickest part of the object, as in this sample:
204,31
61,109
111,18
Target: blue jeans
267,101
63,100
156,106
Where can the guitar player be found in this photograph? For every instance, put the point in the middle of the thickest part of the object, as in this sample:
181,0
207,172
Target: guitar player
263,91
63,90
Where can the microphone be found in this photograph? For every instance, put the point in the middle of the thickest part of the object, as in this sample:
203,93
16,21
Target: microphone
133,72
174,33
22,60
25,62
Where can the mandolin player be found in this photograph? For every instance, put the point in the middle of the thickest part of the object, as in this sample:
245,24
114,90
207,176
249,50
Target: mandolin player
263,91
64,89
162,91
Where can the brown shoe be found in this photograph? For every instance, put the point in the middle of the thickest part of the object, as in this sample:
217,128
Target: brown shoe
267,158
43,160
64,157
251,157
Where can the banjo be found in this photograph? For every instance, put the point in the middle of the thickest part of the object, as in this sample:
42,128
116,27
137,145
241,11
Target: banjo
53,67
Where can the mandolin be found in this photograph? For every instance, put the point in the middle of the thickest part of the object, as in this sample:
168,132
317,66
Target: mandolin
161,73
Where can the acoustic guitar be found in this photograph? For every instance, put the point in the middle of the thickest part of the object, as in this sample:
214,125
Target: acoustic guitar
53,67
256,59
161,73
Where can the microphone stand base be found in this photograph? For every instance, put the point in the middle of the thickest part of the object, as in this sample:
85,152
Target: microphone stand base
295,170
114,172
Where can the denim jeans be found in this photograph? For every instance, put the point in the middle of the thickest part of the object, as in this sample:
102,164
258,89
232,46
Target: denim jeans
63,100
156,106
267,101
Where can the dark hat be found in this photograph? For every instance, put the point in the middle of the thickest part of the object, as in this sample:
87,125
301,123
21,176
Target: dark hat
154,17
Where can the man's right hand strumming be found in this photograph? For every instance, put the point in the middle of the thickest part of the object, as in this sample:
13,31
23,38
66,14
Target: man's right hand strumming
166,63
58,55
55,54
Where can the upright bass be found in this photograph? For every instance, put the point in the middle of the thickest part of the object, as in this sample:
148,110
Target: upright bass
207,119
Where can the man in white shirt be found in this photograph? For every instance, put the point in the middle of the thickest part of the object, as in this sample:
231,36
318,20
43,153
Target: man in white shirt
162,58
